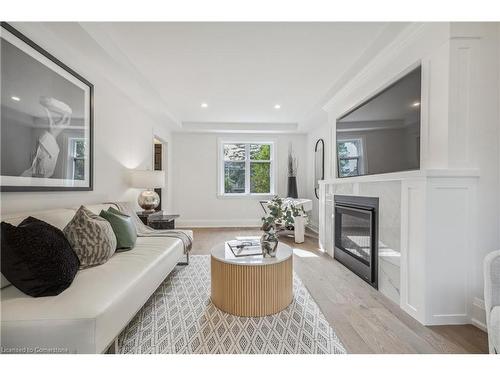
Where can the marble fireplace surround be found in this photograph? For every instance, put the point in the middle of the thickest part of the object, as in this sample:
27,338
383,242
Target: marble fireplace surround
426,237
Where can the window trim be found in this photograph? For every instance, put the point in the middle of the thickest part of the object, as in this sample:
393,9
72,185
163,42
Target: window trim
71,154
360,158
220,168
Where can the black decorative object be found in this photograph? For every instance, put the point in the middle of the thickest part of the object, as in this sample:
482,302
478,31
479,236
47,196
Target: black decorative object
37,258
46,119
292,174
292,187
319,165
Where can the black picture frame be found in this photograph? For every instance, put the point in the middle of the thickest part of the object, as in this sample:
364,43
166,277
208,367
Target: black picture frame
34,188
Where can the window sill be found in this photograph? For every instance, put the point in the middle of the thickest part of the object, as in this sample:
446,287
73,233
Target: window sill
246,196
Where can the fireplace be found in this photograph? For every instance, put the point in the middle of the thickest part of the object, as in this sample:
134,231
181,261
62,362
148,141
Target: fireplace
356,235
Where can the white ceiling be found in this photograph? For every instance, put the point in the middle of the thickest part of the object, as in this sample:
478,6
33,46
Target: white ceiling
240,69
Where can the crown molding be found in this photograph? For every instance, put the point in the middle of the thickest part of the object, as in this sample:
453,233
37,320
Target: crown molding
239,127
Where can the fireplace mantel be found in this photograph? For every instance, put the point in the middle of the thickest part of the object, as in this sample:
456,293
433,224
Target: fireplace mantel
435,233
399,176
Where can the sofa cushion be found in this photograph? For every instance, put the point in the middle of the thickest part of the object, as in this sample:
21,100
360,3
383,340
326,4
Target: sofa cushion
87,316
124,229
58,218
91,237
37,258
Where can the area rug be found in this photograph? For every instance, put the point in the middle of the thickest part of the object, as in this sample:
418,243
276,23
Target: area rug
180,318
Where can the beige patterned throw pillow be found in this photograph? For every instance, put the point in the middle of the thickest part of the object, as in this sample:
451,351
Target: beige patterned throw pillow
91,237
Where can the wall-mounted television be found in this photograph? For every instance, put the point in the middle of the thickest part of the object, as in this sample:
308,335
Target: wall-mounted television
382,134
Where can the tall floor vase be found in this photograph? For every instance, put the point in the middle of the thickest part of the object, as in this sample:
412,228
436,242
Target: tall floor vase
292,187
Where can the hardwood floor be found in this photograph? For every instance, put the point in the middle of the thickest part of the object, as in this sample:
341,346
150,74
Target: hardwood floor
364,319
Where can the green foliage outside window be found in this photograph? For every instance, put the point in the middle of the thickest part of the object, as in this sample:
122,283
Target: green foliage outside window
79,159
260,173
260,168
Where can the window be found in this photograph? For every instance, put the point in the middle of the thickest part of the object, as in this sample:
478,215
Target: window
246,168
350,157
77,158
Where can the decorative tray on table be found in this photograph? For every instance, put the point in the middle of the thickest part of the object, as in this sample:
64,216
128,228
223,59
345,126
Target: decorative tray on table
242,248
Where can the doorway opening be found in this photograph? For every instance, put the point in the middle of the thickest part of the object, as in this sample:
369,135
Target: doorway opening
159,164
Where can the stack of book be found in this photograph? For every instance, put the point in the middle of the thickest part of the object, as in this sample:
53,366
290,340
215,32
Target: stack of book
242,248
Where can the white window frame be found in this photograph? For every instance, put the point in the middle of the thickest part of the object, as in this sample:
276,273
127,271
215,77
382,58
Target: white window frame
220,168
71,154
360,158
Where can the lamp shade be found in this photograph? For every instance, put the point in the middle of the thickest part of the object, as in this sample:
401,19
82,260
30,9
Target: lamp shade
147,179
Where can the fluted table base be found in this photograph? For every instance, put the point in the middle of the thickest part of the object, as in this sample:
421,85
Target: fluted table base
252,290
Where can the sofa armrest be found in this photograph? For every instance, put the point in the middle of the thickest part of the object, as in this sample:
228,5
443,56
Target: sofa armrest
491,288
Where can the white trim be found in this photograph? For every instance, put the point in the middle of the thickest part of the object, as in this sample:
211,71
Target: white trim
478,314
313,227
240,128
447,319
479,324
397,176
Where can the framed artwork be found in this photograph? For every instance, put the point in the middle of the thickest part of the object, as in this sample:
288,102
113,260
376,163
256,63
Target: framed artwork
46,119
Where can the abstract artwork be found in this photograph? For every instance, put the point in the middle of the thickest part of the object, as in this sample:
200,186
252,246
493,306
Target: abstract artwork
46,119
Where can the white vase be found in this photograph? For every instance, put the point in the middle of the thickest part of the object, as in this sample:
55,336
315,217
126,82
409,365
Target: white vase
299,223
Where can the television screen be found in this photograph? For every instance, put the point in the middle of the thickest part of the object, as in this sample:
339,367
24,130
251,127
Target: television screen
382,134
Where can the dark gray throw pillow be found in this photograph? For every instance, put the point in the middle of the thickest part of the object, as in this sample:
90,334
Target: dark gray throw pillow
91,237
123,228
37,258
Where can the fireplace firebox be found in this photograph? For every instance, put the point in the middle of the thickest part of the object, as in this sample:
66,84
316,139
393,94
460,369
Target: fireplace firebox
356,235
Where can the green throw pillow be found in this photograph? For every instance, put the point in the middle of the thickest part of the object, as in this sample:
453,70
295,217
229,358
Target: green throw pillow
123,228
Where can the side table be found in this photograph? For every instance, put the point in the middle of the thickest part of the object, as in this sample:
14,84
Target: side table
158,220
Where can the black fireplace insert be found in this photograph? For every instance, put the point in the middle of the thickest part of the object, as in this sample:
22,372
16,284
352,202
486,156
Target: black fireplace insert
356,235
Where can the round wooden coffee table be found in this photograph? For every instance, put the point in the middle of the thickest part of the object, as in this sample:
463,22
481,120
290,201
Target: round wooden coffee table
252,285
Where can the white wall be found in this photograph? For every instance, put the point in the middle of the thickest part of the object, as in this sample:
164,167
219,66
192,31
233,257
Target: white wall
123,133
195,179
321,129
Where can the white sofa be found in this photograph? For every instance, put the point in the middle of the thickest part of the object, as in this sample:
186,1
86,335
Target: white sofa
90,314
492,299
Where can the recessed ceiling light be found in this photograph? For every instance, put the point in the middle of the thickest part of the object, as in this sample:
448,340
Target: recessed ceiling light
15,98
204,105
277,106
415,104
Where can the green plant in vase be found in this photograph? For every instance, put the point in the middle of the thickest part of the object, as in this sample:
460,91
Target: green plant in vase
282,213
269,240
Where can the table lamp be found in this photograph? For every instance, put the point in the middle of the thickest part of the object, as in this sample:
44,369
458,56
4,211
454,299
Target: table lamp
148,200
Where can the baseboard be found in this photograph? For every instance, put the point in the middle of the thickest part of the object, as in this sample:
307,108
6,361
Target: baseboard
246,223
478,314
448,319
476,317
313,227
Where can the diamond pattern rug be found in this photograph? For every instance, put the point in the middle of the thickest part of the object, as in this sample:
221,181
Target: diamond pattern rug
180,318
